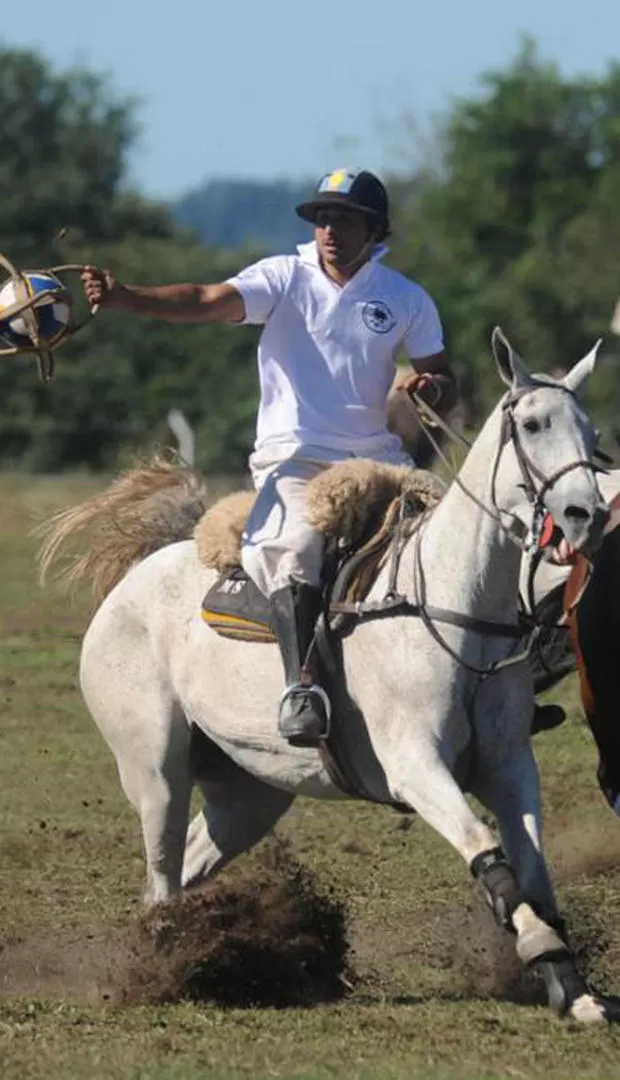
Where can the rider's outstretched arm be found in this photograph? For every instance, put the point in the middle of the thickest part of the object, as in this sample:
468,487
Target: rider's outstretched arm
174,303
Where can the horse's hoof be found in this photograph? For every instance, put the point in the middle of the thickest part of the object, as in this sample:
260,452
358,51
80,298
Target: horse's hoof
593,1008
569,994
547,717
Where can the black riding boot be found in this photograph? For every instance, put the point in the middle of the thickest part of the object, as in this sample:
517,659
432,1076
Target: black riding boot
304,706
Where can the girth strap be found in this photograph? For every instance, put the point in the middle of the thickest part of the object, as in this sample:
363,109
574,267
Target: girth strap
334,751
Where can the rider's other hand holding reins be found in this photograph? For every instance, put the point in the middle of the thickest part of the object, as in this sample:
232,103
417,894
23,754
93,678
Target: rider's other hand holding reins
435,388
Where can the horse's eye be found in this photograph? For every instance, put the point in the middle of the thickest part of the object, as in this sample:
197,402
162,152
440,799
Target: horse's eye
531,426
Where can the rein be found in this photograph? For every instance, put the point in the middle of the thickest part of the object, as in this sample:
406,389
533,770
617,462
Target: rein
428,419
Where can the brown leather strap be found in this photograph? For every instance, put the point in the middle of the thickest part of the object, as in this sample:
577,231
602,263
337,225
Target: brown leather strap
399,605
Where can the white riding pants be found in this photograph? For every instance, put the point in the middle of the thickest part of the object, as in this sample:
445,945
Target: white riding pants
279,545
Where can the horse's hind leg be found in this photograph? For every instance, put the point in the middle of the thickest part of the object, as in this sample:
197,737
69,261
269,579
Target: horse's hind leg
150,739
158,784
238,812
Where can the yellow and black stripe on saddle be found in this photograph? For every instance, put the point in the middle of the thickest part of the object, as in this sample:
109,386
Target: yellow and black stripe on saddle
236,608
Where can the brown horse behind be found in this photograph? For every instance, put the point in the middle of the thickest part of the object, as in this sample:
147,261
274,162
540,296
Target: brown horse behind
595,632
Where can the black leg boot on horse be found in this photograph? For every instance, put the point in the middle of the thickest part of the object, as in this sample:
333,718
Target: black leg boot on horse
304,705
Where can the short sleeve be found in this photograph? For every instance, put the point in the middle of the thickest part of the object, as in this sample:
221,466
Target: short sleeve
261,286
424,336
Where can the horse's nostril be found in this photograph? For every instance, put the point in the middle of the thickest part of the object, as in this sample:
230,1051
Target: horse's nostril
577,513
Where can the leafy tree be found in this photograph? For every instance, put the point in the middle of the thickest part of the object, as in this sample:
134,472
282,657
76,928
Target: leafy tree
65,139
515,228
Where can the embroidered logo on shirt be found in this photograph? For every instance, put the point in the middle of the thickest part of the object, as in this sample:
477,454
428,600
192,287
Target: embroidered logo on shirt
378,317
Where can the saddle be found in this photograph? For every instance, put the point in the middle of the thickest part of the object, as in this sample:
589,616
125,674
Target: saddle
363,508
234,607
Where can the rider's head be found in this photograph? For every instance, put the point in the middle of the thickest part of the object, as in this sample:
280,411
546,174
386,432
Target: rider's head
350,213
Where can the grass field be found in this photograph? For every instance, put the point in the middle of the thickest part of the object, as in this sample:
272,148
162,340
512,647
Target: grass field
433,990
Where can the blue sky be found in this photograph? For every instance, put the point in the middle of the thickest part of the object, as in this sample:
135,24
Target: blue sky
289,89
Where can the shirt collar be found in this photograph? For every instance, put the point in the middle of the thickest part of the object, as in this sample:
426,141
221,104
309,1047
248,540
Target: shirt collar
308,253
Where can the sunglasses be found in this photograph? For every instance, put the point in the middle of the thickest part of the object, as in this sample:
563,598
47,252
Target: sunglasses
336,218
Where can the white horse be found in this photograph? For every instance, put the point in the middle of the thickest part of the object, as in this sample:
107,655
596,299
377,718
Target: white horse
440,707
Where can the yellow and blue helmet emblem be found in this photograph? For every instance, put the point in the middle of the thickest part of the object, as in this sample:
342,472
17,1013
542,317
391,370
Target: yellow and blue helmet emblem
340,180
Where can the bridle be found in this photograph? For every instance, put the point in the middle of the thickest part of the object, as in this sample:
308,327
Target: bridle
509,433
531,474
536,486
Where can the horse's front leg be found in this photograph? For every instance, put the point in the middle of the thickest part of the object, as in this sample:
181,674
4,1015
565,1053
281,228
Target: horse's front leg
515,876
507,784
423,780
430,788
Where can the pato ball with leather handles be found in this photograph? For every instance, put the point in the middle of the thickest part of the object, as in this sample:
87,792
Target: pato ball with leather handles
37,312
52,309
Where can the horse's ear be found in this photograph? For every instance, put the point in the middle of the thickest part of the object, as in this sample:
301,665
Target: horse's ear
510,365
581,370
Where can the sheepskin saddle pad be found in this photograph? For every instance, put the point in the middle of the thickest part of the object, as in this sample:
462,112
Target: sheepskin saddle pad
356,504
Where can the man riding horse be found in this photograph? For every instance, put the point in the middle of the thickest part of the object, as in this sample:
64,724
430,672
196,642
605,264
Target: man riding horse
334,319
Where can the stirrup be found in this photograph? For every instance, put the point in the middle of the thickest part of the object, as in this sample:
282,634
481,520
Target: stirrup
299,690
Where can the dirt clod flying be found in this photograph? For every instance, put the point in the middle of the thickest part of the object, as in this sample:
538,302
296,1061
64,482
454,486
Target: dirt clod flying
266,936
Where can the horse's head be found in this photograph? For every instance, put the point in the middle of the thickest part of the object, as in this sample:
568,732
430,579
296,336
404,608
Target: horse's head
547,446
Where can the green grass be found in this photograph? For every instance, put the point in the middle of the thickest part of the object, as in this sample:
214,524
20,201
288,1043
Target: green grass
426,959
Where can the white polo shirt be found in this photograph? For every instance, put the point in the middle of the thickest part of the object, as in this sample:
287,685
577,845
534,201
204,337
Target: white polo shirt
326,358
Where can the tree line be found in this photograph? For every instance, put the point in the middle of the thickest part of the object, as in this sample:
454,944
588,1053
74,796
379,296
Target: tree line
515,221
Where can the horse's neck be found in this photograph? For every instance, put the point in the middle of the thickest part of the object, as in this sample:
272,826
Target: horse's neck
468,562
